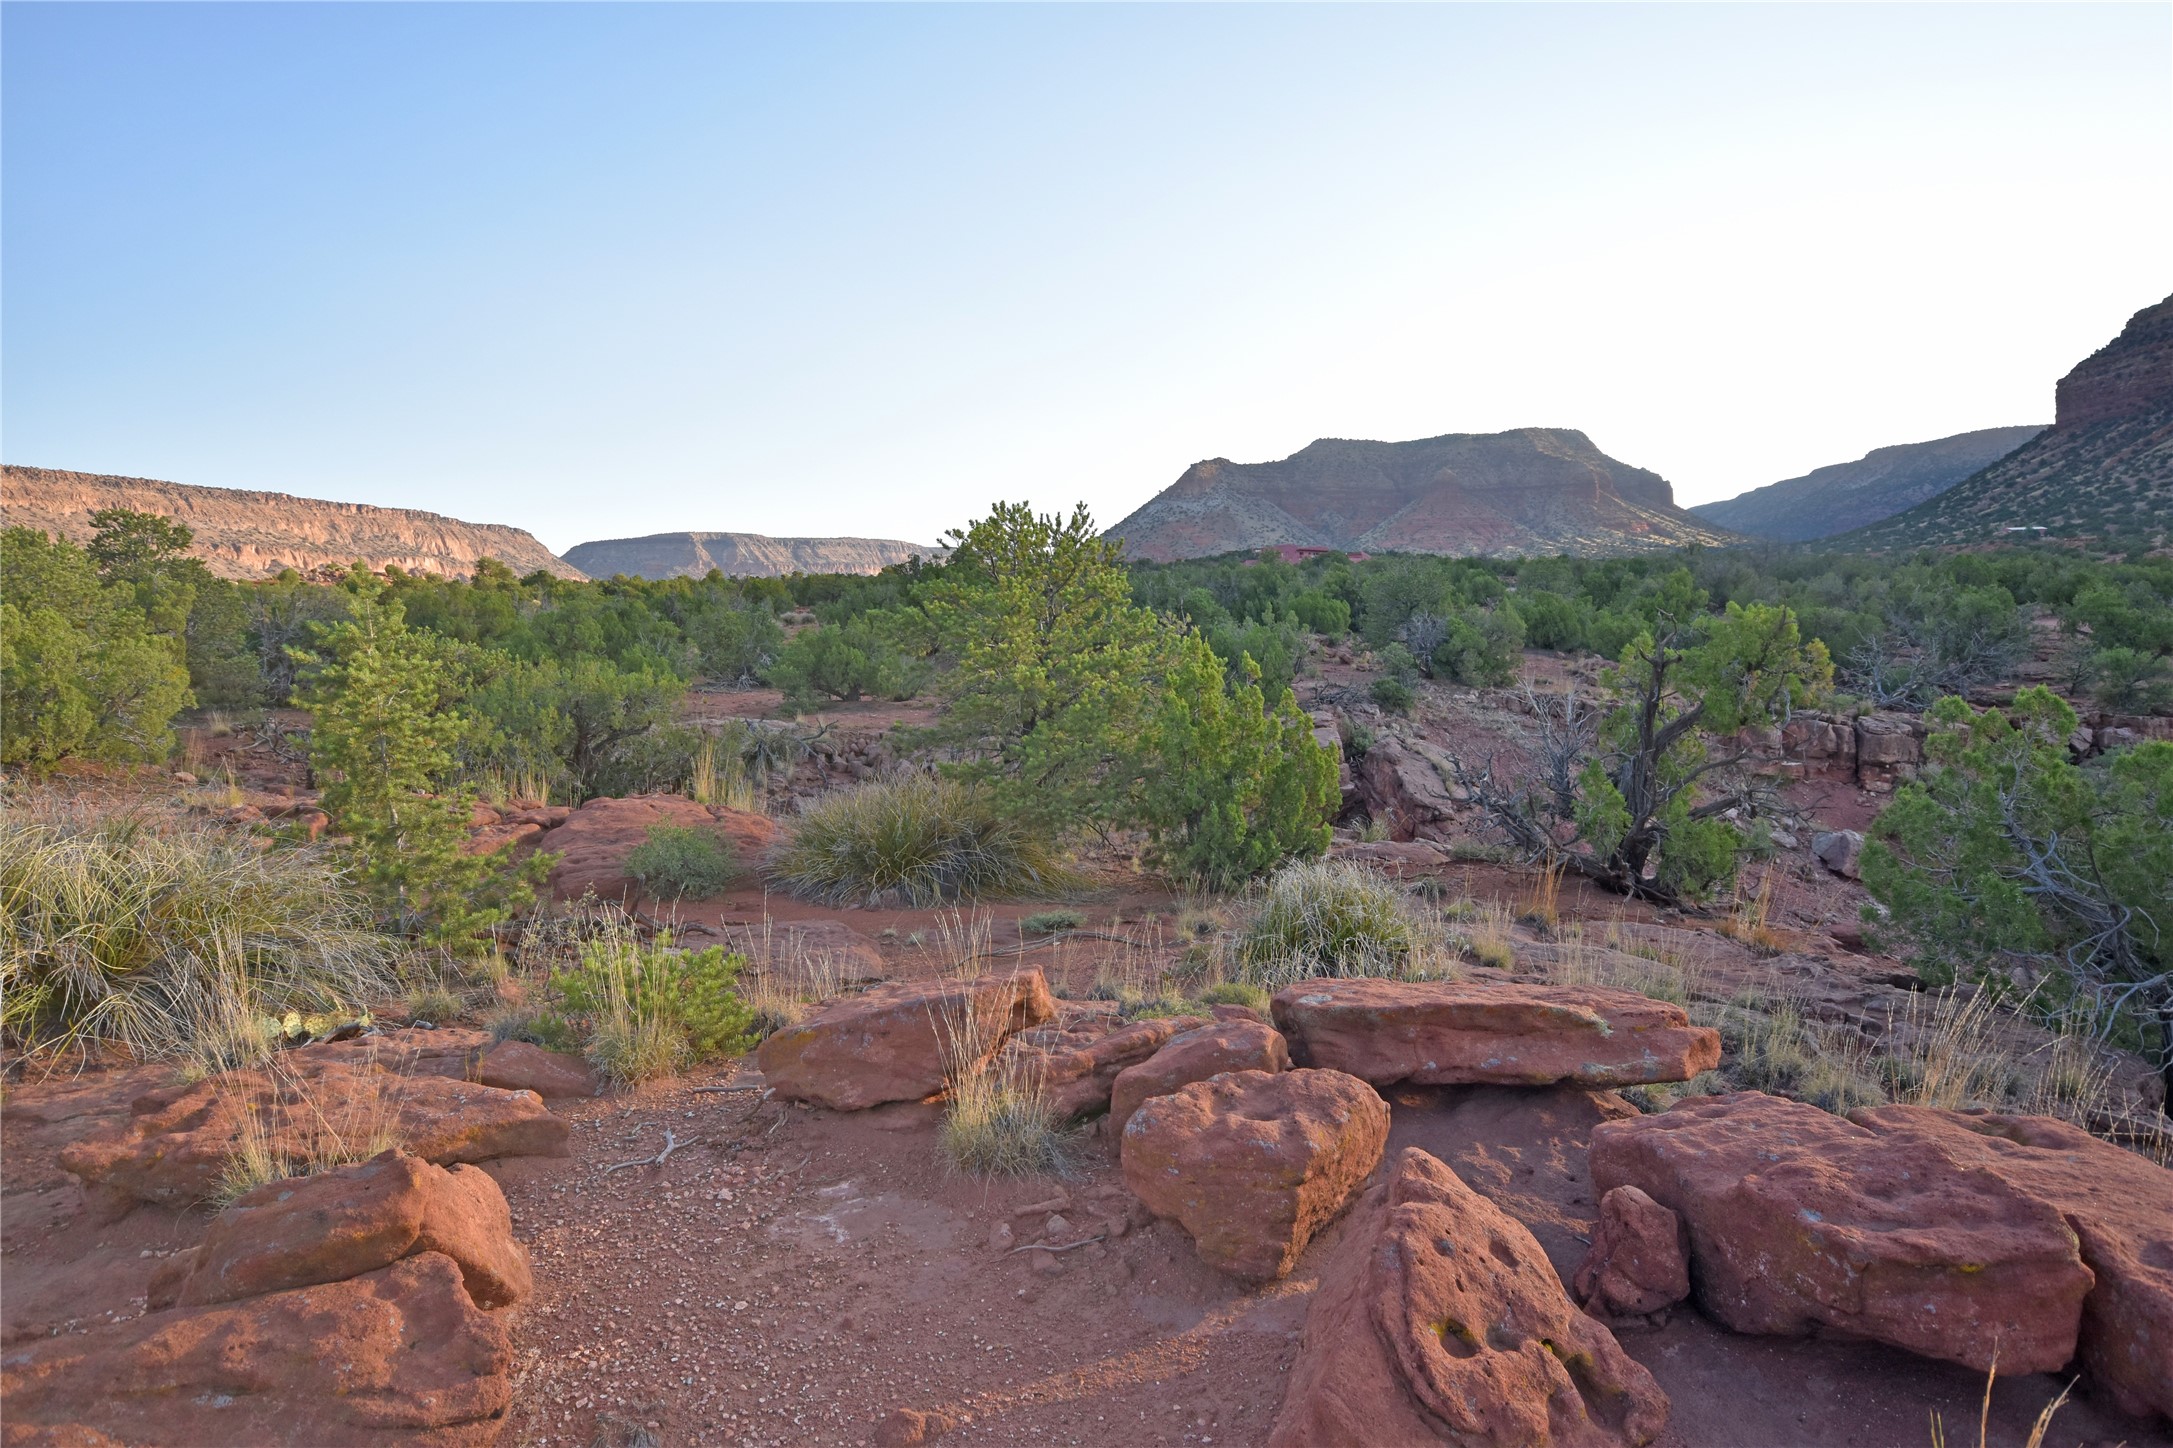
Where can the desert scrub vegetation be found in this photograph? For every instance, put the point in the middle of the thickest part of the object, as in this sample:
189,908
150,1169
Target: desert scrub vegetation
112,931
679,863
649,1010
361,1120
915,840
1050,922
997,1117
1326,918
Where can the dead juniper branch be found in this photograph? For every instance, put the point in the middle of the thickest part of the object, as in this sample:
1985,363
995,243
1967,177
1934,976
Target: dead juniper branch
671,1144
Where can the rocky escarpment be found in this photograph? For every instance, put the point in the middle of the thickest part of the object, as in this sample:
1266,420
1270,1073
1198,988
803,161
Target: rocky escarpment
1879,484
2105,466
739,555
1532,491
242,534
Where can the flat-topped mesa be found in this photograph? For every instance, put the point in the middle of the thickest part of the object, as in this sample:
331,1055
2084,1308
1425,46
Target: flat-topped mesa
1464,1033
243,534
740,555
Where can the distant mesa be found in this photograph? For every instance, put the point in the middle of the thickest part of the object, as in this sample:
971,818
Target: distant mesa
1881,483
740,555
242,534
2104,467
1533,491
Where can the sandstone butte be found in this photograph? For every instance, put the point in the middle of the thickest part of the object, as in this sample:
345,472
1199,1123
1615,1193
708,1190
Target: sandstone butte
1459,1033
1439,1320
241,534
1535,490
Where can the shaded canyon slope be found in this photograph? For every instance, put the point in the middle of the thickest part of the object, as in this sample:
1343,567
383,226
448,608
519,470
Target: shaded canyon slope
241,534
2104,466
740,555
1881,483
1531,491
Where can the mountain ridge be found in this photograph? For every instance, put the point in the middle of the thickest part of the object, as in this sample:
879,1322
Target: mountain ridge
1883,482
2105,466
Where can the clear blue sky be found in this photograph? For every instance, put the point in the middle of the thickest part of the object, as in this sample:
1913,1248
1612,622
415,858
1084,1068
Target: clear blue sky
605,270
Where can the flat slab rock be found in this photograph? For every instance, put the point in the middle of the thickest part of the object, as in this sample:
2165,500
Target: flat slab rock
1439,1321
889,1043
173,1145
399,1355
1470,1033
340,1224
1195,1055
2120,1208
1253,1163
1800,1222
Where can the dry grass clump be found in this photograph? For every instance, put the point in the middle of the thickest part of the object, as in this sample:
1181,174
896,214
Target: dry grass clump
1542,903
1747,921
111,931
367,1123
1326,917
1488,934
2038,1429
997,1119
914,840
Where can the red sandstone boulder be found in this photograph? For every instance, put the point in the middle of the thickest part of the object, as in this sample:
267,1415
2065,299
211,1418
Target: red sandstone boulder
174,1144
1438,1321
1253,1163
1800,1221
520,1066
1195,1056
1639,1263
340,1224
891,1043
400,1351
593,843
1078,1067
2121,1209
1459,1033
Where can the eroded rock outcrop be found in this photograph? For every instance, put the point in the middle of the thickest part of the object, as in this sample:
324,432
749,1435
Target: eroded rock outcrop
173,1145
1639,1264
1456,1033
1439,1321
1077,1061
2120,1208
1799,1221
1253,1163
1236,1045
302,1231
401,1354
890,1043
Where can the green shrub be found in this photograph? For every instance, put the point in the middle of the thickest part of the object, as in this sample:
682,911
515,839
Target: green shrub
1048,922
651,1010
1392,694
84,675
914,840
115,932
1235,993
681,863
1326,918
538,1027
